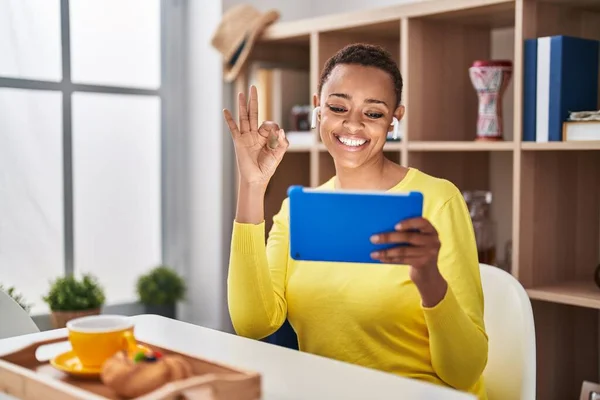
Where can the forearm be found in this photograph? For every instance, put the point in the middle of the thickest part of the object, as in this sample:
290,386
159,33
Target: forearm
458,346
431,286
250,203
255,308
255,293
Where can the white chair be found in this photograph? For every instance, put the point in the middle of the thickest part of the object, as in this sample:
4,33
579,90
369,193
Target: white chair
511,370
14,321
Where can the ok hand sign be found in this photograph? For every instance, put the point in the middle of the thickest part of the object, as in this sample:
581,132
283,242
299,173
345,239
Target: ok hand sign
259,150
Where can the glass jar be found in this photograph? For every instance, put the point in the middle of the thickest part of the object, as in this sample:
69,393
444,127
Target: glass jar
479,203
300,118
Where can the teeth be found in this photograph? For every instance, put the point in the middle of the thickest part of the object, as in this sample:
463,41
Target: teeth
352,142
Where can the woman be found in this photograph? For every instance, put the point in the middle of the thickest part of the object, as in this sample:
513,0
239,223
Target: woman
419,314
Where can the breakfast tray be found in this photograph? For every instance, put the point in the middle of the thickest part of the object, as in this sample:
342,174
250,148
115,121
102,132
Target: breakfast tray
25,377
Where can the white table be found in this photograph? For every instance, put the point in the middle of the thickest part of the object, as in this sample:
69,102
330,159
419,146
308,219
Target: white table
286,374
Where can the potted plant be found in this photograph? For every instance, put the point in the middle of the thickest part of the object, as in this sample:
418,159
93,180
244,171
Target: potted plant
71,298
18,297
159,291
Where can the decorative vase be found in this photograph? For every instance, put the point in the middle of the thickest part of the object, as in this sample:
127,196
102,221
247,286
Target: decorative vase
59,319
490,79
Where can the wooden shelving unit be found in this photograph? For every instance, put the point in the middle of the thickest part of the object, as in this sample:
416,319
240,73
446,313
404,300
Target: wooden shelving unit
583,293
585,146
546,195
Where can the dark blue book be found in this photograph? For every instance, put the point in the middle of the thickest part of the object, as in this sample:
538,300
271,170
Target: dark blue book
566,80
529,89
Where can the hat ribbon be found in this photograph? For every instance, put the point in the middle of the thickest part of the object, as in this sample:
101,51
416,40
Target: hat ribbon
237,52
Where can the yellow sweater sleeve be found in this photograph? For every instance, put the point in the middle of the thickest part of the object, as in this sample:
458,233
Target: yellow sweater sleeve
256,277
458,341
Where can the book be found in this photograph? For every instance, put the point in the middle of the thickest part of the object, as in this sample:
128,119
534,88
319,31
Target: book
574,131
560,76
529,89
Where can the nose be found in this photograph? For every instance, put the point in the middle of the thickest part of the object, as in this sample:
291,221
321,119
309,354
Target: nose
354,122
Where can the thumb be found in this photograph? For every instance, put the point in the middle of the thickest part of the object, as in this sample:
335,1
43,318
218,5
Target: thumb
282,144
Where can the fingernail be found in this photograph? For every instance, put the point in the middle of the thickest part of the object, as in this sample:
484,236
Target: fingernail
375,254
398,227
374,238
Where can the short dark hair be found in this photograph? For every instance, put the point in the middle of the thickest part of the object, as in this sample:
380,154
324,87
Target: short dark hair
367,55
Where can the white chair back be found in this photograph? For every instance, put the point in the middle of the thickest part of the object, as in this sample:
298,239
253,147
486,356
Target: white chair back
511,370
14,321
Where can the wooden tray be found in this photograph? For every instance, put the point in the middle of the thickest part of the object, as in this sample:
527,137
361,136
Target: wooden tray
25,377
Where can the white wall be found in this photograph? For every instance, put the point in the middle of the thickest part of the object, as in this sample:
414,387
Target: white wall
206,272
323,7
289,10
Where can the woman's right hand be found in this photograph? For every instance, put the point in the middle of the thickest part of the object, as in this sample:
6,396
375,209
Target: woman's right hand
259,150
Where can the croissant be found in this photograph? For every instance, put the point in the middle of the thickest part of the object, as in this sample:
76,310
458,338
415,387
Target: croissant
135,377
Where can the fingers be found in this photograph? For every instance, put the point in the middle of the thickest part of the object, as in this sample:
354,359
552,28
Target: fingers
268,128
233,128
243,111
277,140
400,260
417,239
282,142
416,224
253,112
412,238
273,141
403,252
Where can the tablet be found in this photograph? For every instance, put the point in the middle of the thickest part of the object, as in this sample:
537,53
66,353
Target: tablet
337,225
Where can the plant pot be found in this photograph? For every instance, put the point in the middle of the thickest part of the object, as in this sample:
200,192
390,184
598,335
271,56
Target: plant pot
165,310
59,319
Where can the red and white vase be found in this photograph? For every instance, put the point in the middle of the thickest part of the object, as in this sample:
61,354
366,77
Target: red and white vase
490,79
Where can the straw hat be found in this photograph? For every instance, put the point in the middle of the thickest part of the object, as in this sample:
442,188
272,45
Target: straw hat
236,34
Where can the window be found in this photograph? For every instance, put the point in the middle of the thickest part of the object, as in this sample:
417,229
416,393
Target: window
81,128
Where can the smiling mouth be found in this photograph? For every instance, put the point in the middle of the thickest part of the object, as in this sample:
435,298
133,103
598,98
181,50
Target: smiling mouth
351,142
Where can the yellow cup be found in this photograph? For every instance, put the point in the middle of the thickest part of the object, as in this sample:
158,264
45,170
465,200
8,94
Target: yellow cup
96,338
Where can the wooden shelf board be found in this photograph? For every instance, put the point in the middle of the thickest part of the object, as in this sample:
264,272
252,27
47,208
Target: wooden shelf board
577,293
592,5
299,148
500,15
389,30
473,10
595,145
393,146
460,146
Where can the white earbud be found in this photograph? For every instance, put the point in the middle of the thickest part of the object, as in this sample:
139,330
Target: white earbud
396,126
315,112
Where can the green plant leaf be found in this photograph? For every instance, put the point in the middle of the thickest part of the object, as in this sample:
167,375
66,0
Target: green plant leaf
18,297
71,294
161,286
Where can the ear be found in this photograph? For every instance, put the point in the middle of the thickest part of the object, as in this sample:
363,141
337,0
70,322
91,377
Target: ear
315,112
314,117
316,100
399,113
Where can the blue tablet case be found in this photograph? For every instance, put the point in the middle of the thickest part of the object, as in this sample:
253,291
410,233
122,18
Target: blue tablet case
337,225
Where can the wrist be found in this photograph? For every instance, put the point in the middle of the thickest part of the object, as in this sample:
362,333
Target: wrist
253,188
251,203
431,285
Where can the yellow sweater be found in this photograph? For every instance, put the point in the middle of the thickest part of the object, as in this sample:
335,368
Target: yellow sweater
369,314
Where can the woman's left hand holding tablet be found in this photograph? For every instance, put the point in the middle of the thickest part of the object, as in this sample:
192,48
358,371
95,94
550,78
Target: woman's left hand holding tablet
418,247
